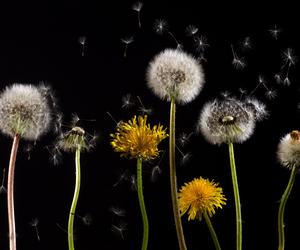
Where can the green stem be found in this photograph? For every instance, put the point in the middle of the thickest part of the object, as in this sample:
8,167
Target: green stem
236,199
173,179
283,201
142,204
212,232
74,202
10,194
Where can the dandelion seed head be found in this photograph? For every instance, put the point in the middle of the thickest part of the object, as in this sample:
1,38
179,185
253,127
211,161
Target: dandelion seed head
24,111
200,196
288,152
226,121
175,74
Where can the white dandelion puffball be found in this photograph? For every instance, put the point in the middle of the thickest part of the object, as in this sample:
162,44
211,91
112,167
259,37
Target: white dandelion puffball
288,152
226,121
24,111
175,74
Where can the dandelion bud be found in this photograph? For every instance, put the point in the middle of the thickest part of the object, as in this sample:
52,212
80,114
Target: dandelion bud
175,74
289,150
24,111
226,121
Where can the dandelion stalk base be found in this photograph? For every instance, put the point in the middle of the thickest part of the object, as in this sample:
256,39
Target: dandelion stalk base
212,231
173,178
283,201
74,202
142,204
236,198
10,194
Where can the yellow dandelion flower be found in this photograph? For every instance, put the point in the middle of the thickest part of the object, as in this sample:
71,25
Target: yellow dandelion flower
136,139
200,196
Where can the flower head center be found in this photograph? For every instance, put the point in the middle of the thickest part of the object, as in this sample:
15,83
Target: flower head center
178,76
227,120
77,131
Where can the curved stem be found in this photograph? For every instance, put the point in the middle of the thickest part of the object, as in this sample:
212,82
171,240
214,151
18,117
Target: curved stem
74,202
142,204
10,194
212,232
236,199
173,178
283,201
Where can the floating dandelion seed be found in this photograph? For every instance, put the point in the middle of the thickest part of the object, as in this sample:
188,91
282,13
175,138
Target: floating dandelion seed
87,219
156,171
124,176
82,42
138,7
143,109
119,229
34,223
126,40
113,119
191,30
28,149
55,154
133,184
161,27
2,188
246,44
237,62
275,32
127,101
270,93
201,43
117,211
289,57
184,138
278,78
185,157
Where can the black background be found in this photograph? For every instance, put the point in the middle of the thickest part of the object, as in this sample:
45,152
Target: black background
39,42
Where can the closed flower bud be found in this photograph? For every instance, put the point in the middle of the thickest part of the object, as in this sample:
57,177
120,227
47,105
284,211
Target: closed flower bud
226,121
175,74
24,111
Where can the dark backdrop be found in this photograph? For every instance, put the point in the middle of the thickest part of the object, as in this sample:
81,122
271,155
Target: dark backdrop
39,42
